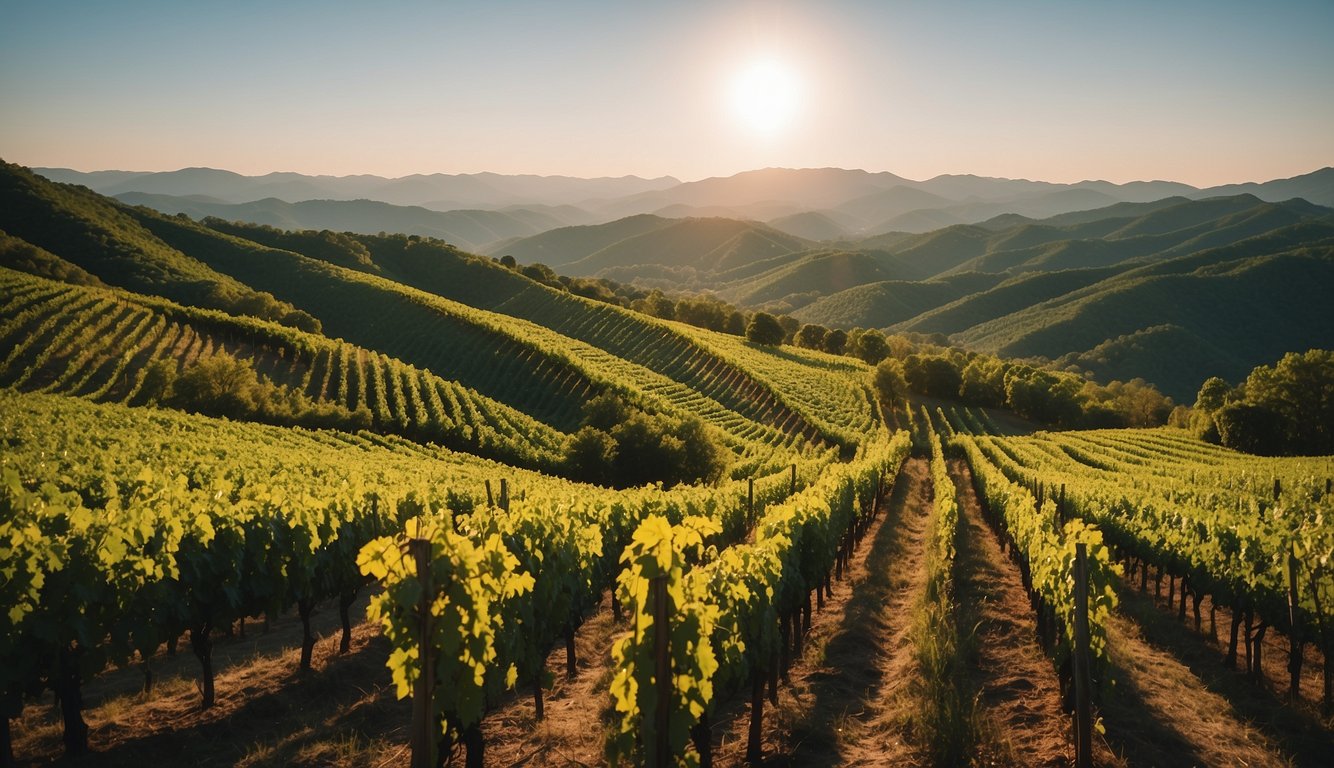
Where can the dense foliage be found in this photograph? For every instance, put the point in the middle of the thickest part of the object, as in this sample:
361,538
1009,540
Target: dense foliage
1283,409
621,445
1041,395
764,329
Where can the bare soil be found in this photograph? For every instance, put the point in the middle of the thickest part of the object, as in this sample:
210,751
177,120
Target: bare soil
1176,703
1210,643
577,712
850,701
1021,721
342,712
843,706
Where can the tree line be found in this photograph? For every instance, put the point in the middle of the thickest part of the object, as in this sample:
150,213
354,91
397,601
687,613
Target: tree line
1283,409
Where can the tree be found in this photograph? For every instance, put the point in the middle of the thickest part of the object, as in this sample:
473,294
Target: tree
870,347
507,261
1140,403
218,385
811,336
1213,394
899,346
836,341
159,380
605,411
932,375
702,312
764,329
702,457
983,381
542,274
1249,427
590,455
1043,396
659,305
621,445
889,382
1299,389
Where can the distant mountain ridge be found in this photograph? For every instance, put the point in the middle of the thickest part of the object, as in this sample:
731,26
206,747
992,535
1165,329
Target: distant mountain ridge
472,230
436,191
857,203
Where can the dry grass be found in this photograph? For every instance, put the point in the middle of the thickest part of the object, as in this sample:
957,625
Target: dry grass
342,713
1160,713
577,712
1209,643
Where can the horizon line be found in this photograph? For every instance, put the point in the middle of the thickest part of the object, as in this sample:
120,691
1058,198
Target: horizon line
675,178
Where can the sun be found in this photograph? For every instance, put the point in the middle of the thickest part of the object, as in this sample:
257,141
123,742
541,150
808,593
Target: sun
765,95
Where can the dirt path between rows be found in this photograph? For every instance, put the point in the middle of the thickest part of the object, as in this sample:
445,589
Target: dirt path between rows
1020,721
573,729
343,712
1175,705
844,704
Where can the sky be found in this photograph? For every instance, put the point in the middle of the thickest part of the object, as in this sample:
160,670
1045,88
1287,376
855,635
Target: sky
1200,92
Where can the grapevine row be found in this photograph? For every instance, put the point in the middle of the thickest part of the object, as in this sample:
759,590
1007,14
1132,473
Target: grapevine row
1252,534
709,622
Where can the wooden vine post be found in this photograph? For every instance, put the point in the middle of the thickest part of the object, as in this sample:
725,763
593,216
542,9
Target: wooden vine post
750,501
1294,622
424,737
660,754
754,750
1080,657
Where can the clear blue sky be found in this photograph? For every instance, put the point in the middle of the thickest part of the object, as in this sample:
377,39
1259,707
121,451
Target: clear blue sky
1201,92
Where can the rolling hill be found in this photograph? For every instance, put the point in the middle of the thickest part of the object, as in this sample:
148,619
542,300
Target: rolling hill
887,303
102,238
413,316
1254,309
106,345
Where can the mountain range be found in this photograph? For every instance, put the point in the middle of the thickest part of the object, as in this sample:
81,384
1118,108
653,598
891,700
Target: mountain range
1172,290
813,203
1150,279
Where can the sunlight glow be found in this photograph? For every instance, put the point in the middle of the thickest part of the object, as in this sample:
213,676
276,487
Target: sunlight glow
765,96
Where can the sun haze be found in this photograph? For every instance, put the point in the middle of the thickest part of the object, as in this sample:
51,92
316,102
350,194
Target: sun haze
1203,93
765,96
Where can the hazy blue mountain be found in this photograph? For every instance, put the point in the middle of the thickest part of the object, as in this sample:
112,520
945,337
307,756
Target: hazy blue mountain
1315,187
817,225
876,202
564,245
484,190
471,230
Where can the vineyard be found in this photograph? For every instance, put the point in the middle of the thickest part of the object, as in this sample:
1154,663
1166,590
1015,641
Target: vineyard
381,559
510,564
498,354
101,344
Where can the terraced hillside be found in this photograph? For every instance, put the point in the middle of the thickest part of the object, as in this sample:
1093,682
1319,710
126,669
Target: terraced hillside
680,367
102,344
